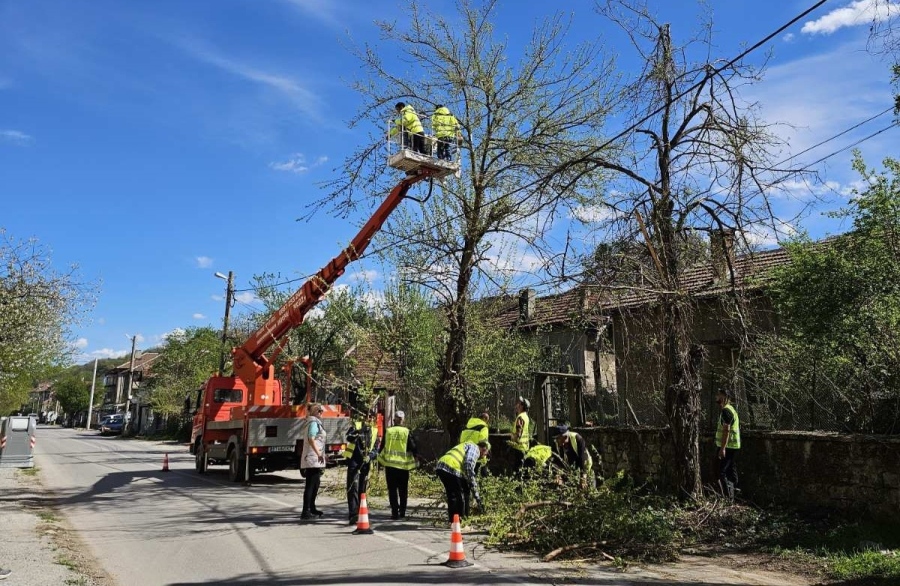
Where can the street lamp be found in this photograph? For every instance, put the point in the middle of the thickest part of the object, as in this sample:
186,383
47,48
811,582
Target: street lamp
229,293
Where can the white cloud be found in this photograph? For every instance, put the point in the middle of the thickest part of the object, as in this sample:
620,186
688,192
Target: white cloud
296,163
247,297
595,213
823,95
16,137
81,343
761,236
292,90
199,316
857,13
364,276
175,333
106,353
325,11
217,298
788,38
204,262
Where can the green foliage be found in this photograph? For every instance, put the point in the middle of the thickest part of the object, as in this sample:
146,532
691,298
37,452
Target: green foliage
409,328
185,362
839,302
328,332
628,522
38,307
73,391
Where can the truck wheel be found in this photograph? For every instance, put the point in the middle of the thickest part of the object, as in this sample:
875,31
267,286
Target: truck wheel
235,467
200,462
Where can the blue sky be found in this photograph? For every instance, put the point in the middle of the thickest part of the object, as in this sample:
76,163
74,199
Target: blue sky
154,143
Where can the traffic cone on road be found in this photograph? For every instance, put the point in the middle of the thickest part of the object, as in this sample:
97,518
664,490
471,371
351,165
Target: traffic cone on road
166,463
457,557
362,524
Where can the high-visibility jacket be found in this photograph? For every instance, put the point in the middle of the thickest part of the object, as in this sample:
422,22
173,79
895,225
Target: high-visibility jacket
588,462
734,438
394,453
476,431
351,440
524,440
444,124
540,454
455,458
408,121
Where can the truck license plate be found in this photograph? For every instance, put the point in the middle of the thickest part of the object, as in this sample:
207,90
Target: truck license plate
281,449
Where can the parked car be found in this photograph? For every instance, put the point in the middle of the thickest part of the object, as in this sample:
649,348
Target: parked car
112,424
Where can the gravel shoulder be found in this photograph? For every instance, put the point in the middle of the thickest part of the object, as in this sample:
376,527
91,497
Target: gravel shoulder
38,544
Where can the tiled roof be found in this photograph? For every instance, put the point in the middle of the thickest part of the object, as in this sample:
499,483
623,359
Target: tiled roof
585,300
373,365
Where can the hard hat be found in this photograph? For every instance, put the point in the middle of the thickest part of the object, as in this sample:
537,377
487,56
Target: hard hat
399,415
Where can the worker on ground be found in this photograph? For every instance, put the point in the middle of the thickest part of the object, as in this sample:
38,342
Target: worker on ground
574,453
477,431
520,441
728,441
537,457
412,134
456,469
361,449
398,456
446,131
312,460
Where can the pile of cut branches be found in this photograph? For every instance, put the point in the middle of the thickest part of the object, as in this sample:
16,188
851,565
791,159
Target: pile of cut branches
614,521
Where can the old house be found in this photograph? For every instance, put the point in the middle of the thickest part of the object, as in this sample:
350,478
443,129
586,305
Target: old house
612,337
115,386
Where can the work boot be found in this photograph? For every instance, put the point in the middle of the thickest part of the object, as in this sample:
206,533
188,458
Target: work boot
305,515
354,520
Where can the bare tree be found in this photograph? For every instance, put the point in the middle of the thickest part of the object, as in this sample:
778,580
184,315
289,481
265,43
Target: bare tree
697,160
521,119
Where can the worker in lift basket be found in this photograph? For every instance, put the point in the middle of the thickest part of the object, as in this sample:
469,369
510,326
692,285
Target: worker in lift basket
412,134
446,131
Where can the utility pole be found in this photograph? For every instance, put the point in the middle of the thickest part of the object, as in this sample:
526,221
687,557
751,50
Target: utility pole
229,292
127,425
91,401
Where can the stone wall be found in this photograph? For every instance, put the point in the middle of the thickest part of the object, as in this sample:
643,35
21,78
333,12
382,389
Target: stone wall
804,470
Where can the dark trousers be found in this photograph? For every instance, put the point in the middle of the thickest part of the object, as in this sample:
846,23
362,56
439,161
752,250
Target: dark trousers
445,148
398,489
311,489
728,476
456,488
414,141
357,483
518,459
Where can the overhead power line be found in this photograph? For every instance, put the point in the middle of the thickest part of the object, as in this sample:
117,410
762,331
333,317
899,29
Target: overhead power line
630,129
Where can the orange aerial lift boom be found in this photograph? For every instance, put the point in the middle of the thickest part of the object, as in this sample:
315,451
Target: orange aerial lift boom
243,420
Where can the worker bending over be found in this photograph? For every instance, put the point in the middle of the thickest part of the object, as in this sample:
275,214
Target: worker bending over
573,451
456,469
477,431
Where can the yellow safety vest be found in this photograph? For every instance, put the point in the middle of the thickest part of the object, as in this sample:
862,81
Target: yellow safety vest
524,440
444,123
394,453
573,439
408,121
540,454
734,438
348,451
476,431
455,458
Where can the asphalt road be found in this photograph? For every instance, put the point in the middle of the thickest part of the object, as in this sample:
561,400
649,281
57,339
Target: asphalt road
148,527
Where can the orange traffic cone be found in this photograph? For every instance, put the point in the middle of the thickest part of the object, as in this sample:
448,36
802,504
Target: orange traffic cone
362,524
166,463
457,557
